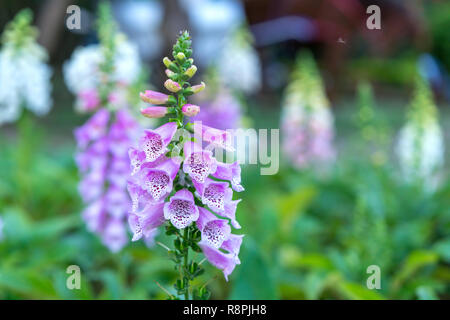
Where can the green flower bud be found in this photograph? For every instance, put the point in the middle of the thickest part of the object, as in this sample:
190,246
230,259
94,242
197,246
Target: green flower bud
167,62
180,56
191,71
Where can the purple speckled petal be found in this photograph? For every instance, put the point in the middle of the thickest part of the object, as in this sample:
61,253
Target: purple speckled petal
224,261
142,223
230,172
154,142
181,209
199,164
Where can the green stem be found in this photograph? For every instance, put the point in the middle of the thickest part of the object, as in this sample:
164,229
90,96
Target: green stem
186,256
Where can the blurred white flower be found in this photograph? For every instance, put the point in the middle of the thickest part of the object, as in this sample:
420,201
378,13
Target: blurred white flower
239,64
82,73
420,146
24,74
307,123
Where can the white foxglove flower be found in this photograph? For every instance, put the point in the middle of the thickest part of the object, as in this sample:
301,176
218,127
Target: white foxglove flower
420,147
24,74
82,71
307,123
239,64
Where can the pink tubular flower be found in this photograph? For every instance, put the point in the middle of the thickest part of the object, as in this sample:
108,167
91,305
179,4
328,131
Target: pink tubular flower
216,235
154,97
199,163
216,137
172,86
190,110
199,87
142,224
181,209
104,167
154,112
177,183
230,172
154,143
217,195
89,100
158,180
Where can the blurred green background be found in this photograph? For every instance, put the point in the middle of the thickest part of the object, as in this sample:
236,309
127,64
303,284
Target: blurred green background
308,235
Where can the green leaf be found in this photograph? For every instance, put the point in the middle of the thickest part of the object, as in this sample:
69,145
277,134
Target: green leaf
254,278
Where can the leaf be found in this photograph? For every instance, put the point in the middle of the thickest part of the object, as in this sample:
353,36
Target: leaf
356,291
254,278
293,204
443,249
416,260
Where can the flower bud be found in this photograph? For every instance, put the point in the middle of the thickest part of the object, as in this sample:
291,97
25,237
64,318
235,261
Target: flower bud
190,110
154,112
181,56
167,62
154,97
169,73
199,87
191,71
172,85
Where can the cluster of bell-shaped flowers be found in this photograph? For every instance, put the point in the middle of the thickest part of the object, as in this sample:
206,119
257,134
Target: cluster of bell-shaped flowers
24,73
103,142
420,146
102,160
176,180
306,121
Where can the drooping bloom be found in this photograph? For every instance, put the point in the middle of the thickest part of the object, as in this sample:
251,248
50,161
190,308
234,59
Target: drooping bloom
103,141
24,74
306,120
215,235
420,146
192,192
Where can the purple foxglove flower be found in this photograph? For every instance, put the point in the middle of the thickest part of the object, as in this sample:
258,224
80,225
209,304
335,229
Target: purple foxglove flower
199,163
114,235
154,97
230,172
139,197
217,196
214,231
137,159
143,223
94,215
117,202
224,261
190,110
158,181
199,87
104,165
216,235
224,112
172,86
154,112
94,128
89,100
181,209
154,142
216,137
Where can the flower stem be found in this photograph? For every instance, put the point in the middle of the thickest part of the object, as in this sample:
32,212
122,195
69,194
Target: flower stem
185,266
